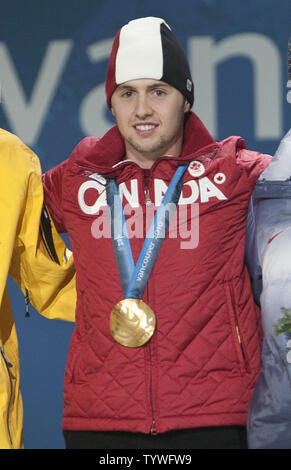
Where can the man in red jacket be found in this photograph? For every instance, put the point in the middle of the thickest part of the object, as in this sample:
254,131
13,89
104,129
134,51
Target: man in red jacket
166,349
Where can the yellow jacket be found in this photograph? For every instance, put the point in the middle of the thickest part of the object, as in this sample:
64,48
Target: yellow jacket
35,256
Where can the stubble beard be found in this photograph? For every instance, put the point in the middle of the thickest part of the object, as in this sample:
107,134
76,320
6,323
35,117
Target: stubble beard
150,152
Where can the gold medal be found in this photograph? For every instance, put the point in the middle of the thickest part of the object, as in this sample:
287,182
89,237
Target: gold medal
132,322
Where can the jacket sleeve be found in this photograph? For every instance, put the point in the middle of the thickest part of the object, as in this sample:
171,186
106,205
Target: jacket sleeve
269,418
12,191
253,163
52,185
46,274
43,267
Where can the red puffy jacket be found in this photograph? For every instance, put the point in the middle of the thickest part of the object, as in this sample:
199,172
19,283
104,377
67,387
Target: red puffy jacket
200,367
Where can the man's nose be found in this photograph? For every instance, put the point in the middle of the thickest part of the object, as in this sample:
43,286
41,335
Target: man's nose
142,108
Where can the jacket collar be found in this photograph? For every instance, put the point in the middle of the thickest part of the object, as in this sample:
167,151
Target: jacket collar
106,153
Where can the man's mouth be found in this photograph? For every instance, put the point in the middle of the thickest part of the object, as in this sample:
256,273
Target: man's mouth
145,129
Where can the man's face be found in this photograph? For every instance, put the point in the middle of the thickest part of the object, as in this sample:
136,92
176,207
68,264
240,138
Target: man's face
150,117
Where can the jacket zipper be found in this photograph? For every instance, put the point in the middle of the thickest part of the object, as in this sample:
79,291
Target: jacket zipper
46,235
153,429
8,366
27,302
148,202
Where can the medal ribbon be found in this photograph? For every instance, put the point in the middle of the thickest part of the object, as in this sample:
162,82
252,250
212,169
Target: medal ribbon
134,278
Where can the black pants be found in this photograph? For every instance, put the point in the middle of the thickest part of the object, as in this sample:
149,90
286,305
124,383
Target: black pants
222,437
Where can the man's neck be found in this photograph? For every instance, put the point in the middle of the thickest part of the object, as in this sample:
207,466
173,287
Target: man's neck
145,163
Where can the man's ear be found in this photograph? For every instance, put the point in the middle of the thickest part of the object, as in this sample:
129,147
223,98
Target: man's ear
186,106
112,110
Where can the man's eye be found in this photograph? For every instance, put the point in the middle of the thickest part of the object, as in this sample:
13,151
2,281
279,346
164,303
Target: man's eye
159,92
127,94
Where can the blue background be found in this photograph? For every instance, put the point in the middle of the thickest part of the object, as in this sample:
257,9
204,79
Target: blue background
77,107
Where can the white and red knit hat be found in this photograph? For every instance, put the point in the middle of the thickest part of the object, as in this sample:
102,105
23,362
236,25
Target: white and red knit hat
147,48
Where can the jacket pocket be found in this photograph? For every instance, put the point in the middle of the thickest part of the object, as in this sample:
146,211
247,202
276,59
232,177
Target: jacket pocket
235,328
75,366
